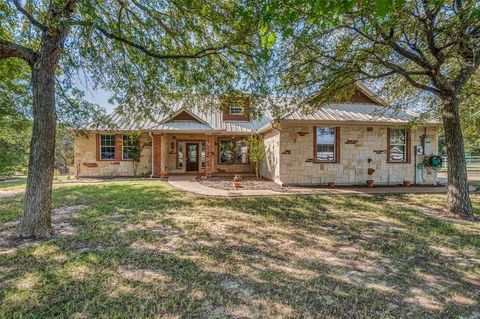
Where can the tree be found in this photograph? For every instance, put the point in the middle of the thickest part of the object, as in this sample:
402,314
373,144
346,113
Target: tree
134,151
418,51
142,51
15,123
256,151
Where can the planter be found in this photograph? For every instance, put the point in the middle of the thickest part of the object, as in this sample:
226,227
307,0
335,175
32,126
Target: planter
331,184
370,182
370,171
407,183
236,181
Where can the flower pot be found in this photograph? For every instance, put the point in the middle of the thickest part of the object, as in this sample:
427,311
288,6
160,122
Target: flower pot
236,185
370,171
331,184
370,182
407,183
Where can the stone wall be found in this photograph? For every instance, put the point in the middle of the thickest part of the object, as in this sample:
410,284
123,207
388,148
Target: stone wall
85,159
270,167
357,144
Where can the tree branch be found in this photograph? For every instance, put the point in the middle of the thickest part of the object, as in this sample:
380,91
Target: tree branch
197,55
12,50
29,16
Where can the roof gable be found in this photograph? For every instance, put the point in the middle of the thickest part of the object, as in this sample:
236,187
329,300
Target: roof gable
365,95
184,115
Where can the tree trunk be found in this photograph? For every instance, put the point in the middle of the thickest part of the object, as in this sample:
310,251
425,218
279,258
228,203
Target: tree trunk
36,219
458,201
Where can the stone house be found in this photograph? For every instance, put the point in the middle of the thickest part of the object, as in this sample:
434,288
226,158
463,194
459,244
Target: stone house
336,143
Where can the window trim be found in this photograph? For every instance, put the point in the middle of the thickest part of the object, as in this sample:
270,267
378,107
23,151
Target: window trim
234,151
407,159
100,147
239,106
336,145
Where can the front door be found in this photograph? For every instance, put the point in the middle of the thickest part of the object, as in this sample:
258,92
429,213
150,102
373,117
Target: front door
192,157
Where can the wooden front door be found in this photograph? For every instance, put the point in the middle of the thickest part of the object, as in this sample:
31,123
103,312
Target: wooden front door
192,157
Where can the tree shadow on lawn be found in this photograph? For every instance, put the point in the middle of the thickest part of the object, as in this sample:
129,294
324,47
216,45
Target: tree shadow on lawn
143,251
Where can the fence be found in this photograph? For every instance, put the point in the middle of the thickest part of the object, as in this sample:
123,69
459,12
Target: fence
473,163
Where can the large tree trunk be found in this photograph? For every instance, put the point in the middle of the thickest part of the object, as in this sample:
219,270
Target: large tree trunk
36,219
458,201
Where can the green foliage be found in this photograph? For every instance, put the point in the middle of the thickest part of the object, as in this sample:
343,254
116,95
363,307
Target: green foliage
15,124
256,151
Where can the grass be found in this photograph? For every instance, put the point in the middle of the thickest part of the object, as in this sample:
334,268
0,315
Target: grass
142,249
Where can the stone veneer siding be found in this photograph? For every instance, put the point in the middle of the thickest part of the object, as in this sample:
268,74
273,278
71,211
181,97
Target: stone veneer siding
357,144
270,167
89,165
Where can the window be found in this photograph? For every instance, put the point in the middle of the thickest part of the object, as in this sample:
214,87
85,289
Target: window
398,145
203,159
107,146
325,144
241,152
129,147
233,151
226,152
236,109
179,155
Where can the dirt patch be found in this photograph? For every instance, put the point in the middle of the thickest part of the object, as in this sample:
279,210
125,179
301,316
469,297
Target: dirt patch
60,223
8,194
226,183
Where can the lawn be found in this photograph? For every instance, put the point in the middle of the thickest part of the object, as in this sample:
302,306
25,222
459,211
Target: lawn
140,249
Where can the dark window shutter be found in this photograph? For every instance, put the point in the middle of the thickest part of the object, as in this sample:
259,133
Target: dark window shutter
337,144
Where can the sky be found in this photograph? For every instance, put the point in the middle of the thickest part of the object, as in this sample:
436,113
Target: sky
97,96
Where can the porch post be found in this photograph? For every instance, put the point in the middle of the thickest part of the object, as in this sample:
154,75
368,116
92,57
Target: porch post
164,156
209,153
157,154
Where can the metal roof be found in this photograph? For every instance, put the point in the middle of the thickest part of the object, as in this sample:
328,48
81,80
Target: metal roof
213,121
354,112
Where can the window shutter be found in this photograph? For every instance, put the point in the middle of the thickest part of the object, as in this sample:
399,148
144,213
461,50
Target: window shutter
388,145
408,146
97,143
314,143
337,144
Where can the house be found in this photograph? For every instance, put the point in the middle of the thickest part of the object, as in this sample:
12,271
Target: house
331,144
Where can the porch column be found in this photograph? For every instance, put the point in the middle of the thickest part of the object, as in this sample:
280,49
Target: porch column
164,157
157,154
209,154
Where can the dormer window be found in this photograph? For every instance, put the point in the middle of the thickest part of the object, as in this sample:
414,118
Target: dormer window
237,109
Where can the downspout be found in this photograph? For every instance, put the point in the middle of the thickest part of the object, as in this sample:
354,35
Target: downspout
153,151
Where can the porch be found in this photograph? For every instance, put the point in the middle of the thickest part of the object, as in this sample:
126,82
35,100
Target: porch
201,154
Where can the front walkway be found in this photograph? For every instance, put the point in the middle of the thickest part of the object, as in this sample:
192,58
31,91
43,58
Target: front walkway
189,184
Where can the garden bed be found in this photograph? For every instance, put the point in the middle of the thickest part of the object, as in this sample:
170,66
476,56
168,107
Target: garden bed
247,182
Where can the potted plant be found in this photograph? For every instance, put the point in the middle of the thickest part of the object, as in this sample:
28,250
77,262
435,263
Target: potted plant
370,172
236,181
407,183
431,163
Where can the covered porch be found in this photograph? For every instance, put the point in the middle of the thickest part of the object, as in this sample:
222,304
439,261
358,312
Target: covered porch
205,154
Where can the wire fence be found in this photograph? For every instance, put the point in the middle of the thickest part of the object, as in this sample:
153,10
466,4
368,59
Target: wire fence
473,163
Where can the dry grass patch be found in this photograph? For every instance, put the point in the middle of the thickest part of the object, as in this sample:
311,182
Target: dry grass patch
142,249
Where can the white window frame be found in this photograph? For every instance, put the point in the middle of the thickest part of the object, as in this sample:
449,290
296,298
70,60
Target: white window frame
334,144
239,109
109,146
405,144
